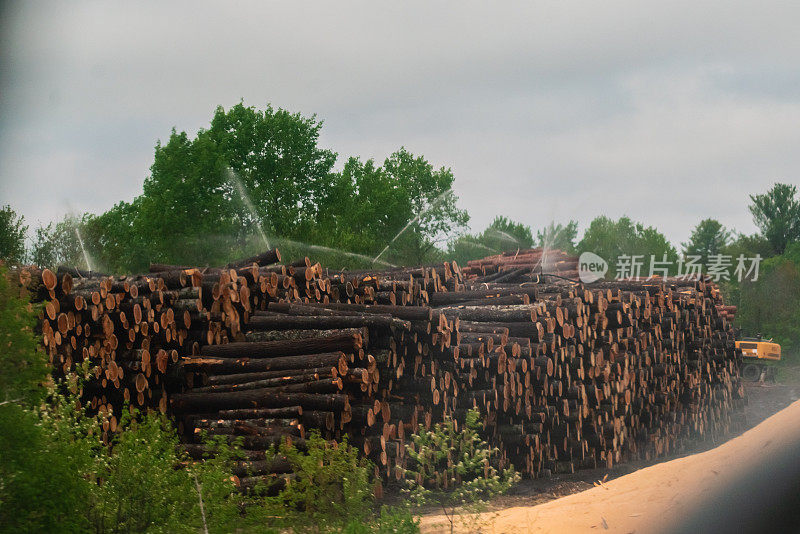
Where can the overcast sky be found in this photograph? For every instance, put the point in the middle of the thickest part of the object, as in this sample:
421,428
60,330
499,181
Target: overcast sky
668,112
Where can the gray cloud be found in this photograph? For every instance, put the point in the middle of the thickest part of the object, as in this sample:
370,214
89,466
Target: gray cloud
667,113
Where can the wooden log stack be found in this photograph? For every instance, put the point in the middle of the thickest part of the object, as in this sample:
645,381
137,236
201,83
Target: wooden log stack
591,375
522,265
361,360
566,375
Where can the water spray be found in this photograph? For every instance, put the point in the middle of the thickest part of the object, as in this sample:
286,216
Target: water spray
237,183
322,248
83,249
503,235
412,221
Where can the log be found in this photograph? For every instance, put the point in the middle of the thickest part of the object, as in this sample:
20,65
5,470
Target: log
278,363
268,349
262,260
203,403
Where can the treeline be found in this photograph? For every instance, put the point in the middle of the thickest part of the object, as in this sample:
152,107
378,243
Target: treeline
257,177
260,175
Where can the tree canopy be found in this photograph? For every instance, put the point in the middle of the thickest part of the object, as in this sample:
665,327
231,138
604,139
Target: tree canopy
369,205
612,239
501,235
208,197
12,235
558,236
708,238
777,215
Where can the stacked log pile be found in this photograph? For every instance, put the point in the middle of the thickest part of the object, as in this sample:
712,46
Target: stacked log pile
361,365
567,376
523,265
581,376
727,312
132,330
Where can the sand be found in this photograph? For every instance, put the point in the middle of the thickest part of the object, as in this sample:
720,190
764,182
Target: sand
645,501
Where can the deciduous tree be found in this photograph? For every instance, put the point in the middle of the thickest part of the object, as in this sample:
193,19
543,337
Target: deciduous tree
12,235
611,239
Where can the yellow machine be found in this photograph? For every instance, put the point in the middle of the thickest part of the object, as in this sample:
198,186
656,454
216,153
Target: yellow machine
758,353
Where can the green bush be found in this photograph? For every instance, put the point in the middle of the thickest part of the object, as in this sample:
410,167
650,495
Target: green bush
23,366
390,520
144,486
41,475
453,467
332,486
42,487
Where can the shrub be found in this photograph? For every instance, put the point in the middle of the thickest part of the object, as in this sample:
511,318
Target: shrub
331,487
453,467
41,484
390,520
23,366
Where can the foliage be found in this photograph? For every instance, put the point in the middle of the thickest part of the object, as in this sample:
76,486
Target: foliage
142,487
708,238
611,239
63,479
332,486
558,236
114,240
390,520
22,365
42,487
207,196
777,215
58,244
500,236
770,306
505,234
370,205
12,235
452,467
748,245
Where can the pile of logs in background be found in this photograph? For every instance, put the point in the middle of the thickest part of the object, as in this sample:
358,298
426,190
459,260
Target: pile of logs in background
566,375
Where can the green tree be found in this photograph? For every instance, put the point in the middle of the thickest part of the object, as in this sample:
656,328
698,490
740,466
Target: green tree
777,215
191,210
558,236
612,239
770,305
749,246
501,235
505,234
58,244
41,488
368,207
708,238
12,235
115,239
455,467
276,155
